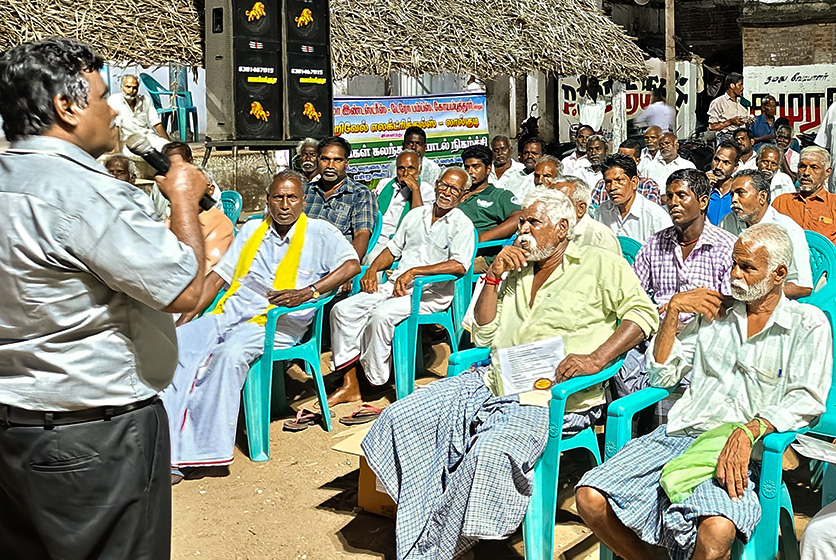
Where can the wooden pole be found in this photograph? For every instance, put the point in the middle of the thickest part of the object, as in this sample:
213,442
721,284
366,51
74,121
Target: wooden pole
670,53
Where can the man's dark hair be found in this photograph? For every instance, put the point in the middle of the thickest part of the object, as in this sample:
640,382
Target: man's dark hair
732,78
694,179
626,163
729,145
533,140
334,141
32,74
760,180
631,144
659,93
172,146
748,132
479,152
415,130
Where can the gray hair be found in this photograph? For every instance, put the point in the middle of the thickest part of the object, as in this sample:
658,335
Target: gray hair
416,154
558,206
761,180
553,160
770,148
582,191
288,174
312,142
126,76
774,239
818,152
600,138
468,181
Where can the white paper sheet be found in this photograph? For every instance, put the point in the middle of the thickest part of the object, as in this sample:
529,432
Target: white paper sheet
529,366
815,448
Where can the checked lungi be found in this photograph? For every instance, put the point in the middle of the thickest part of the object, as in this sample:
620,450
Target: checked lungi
630,480
459,462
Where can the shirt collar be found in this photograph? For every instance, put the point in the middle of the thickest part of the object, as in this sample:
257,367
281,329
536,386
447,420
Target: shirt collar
781,316
818,195
348,185
55,146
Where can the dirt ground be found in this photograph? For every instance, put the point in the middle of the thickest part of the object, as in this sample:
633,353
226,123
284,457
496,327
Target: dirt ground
302,503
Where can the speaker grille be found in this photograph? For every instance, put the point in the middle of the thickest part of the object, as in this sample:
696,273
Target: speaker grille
258,93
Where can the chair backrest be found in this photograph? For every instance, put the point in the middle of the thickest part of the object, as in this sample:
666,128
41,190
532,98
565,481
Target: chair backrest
232,203
826,424
629,248
154,90
183,99
375,236
822,256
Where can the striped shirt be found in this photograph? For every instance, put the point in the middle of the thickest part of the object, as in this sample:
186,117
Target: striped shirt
352,208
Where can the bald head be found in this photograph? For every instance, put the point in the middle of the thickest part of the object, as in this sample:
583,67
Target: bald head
651,138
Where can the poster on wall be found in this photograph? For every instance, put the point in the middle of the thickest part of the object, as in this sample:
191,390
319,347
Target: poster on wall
375,125
638,93
803,92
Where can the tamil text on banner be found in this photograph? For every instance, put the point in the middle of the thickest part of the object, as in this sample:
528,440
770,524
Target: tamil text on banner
375,126
803,93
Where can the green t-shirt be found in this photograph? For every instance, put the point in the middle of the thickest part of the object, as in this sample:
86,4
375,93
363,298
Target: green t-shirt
489,208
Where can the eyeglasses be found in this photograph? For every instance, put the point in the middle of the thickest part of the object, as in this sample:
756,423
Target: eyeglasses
455,191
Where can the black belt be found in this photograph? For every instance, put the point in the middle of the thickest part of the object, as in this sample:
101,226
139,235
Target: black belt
14,416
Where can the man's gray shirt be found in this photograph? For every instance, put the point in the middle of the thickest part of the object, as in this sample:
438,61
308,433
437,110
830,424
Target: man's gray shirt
86,269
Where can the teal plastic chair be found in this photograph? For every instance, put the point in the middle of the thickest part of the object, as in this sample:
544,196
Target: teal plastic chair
156,91
373,239
180,106
629,248
493,243
261,384
777,525
538,526
232,203
822,261
406,340
184,108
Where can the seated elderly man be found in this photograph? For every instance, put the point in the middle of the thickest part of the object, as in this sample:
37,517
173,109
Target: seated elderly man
136,115
458,455
284,260
812,207
122,168
588,231
432,239
764,365
750,205
626,212
769,160
397,196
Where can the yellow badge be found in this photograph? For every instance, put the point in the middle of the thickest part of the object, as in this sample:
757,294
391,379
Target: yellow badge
543,384
825,219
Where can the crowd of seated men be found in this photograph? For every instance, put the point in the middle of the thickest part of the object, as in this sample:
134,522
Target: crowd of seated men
710,306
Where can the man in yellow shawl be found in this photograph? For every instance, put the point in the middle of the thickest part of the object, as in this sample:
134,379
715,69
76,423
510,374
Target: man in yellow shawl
284,260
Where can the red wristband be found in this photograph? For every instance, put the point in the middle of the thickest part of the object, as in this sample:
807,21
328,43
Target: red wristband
491,282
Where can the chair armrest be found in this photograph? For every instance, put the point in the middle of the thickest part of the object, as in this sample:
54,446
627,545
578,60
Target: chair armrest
562,391
276,312
778,442
619,429
493,243
462,360
421,281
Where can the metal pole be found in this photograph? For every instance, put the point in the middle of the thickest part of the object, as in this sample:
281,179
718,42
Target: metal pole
670,53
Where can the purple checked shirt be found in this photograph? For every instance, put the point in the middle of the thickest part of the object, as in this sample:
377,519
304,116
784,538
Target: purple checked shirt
663,273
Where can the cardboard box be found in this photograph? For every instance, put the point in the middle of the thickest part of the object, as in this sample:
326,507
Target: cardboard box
371,495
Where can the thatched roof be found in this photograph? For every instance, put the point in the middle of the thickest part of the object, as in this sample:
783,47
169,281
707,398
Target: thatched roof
485,38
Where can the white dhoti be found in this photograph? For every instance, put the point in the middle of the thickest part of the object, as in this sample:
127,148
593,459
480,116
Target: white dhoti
364,325
819,540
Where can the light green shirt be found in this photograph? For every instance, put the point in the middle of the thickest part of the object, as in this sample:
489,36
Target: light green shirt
583,301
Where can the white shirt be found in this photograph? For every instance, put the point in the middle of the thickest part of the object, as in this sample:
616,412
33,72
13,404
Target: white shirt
430,171
799,272
589,231
781,184
657,114
826,138
573,162
323,251
642,220
511,175
781,374
645,160
589,176
142,118
519,182
419,242
592,112
393,214
751,164
792,158
659,170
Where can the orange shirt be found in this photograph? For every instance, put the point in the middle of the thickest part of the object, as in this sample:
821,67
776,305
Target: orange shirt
217,235
816,213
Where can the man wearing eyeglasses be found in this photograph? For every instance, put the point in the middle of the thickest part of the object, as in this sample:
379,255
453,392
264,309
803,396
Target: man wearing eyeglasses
437,239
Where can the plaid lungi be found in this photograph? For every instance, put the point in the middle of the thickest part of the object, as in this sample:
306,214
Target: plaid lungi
630,480
459,463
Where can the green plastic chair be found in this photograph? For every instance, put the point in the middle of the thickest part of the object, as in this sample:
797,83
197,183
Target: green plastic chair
261,383
822,261
184,108
406,339
777,525
232,203
180,106
156,91
373,239
538,526
493,243
629,248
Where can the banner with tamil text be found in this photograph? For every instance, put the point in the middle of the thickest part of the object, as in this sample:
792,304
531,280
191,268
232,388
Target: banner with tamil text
375,125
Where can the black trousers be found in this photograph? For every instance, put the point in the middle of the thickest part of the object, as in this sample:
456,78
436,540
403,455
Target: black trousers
97,490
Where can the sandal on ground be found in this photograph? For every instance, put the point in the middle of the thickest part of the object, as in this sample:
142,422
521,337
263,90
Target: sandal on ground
362,414
177,476
304,419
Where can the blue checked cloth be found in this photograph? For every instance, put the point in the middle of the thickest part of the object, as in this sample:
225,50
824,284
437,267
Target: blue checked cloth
630,479
352,208
459,462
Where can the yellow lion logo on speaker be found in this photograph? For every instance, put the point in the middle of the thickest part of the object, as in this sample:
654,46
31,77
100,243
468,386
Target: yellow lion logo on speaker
258,111
310,112
257,12
304,18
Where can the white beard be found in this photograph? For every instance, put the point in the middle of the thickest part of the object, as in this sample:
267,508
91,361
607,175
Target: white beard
535,253
743,292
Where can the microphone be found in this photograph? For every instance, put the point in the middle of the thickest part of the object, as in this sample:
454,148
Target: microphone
138,144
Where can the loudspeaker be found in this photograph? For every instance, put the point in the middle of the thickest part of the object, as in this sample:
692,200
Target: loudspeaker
268,70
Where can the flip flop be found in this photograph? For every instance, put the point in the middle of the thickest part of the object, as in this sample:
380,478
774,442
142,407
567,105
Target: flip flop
362,414
304,420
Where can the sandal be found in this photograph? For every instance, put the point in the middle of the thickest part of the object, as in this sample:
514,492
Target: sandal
304,420
362,414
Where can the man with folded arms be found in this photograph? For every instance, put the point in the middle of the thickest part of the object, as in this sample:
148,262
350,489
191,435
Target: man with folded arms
764,365
750,205
458,455
284,260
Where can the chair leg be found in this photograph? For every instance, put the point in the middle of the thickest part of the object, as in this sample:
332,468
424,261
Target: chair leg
278,404
182,124
403,350
256,394
315,371
538,526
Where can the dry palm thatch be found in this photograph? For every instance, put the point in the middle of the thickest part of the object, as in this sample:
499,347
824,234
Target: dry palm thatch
485,38
147,32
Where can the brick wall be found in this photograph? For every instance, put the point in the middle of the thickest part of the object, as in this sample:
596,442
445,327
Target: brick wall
712,31
792,45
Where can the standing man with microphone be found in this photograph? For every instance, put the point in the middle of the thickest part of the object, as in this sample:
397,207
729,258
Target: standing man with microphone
85,337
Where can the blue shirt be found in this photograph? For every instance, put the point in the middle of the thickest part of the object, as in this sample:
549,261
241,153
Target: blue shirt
762,128
718,206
